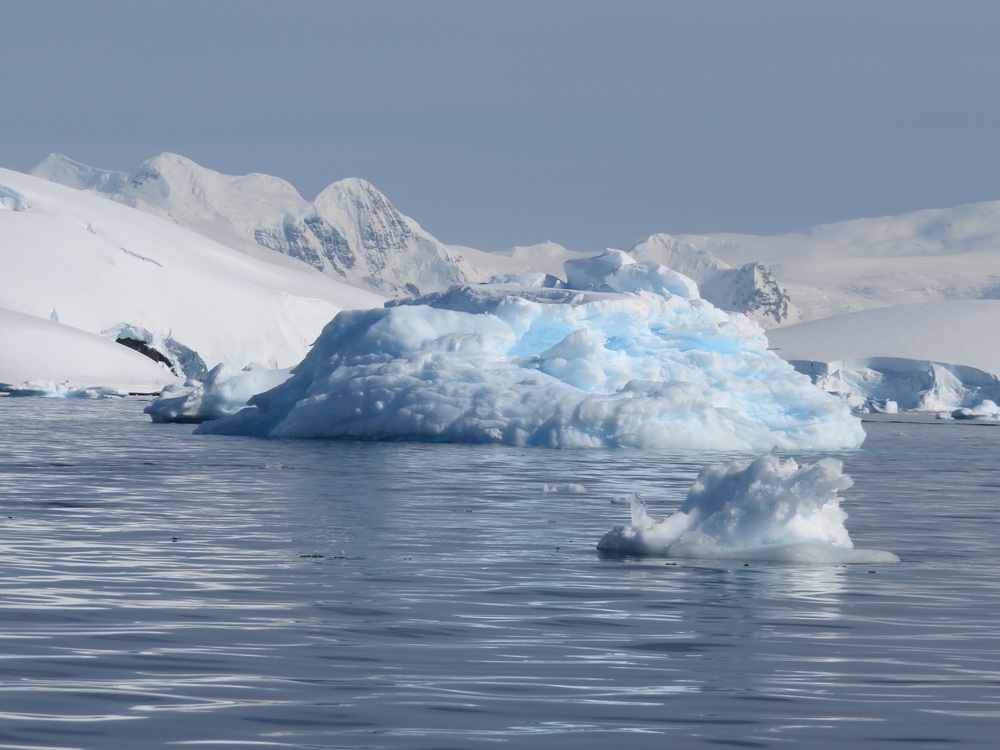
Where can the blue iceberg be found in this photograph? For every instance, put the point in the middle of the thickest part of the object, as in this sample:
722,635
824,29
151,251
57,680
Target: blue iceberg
624,354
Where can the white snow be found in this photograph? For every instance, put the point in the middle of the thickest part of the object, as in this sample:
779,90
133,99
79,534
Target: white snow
932,356
74,260
350,231
924,285
922,256
43,357
765,509
552,366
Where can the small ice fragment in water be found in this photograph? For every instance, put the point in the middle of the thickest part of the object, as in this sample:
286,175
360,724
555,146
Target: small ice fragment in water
767,509
563,489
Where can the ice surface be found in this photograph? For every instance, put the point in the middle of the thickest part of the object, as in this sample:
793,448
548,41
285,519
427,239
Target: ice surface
65,389
925,357
765,509
889,384
552,366
986,409
225,390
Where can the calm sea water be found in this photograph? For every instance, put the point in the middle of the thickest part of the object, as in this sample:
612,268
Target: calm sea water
159,589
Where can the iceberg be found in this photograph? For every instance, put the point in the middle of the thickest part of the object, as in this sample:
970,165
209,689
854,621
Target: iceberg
766,509
549,365
224,391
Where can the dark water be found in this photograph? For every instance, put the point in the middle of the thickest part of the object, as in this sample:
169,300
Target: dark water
159,589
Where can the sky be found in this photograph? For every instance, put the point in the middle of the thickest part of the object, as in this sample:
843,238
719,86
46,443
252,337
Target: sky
493,124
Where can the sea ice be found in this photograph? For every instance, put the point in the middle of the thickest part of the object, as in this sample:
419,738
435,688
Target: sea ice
625,362
765,509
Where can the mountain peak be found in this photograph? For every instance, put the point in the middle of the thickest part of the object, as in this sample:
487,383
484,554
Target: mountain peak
351,231
65,171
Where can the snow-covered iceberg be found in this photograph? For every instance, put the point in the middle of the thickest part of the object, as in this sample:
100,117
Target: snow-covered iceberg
766,509
636,359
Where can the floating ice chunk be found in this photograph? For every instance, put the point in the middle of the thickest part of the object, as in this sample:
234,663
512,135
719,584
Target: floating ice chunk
767,509
563,489
551,366
986,409
224,391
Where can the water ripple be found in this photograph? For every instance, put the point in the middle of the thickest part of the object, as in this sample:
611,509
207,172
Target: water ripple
157,587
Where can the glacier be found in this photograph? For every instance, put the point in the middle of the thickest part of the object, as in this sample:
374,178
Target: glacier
927,356
630,357
766,509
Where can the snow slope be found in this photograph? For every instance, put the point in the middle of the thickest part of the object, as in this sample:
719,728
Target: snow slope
960,332
353,232
81,262
33,349
936,356
350,231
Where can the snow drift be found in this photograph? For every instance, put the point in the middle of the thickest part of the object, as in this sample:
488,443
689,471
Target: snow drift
42,357
83,265
635,359
766,509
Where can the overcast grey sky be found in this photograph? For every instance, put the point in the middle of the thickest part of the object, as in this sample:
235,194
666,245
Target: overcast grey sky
591,124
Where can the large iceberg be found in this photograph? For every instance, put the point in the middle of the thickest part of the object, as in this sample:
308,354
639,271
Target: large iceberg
623,354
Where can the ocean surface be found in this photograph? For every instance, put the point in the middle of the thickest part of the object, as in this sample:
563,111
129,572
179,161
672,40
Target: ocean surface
160,589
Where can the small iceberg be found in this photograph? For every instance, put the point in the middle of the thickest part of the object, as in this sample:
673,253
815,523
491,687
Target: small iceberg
766,509
224,391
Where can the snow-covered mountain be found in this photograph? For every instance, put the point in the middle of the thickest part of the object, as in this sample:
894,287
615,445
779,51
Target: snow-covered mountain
923,256
79,271
750,288
350,232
